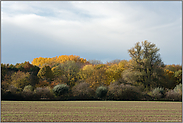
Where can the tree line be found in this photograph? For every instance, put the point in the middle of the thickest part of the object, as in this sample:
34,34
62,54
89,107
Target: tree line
143,77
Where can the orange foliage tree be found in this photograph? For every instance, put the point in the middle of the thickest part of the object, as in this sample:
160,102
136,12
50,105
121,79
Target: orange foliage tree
55,60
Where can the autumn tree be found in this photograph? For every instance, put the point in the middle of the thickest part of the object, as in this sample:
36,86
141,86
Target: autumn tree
146,65
173,67
114,70
20,79
94,75
174,74
32,69
86,72
3,71
170,82
43,83
98,77
67,72
45,73
57,71
57,60
178,76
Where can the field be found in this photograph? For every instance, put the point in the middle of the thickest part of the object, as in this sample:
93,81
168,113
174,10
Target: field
90,111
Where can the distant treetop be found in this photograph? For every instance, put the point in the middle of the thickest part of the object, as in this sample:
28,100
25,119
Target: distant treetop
57,60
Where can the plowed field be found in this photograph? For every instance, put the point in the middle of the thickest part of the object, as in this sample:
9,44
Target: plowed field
90,111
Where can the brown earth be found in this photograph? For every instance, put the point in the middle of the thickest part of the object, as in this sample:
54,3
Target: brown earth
90,111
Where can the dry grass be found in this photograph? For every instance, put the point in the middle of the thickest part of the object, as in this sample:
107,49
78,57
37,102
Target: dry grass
90,111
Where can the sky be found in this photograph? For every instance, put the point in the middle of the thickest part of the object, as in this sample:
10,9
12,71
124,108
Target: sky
102,30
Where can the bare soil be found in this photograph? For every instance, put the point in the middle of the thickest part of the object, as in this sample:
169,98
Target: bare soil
90,111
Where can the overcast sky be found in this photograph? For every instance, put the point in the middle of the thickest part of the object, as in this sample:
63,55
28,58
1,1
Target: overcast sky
92,30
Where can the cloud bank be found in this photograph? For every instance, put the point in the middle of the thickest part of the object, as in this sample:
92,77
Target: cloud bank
92,30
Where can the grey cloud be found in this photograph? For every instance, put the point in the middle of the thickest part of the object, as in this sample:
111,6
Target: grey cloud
94,31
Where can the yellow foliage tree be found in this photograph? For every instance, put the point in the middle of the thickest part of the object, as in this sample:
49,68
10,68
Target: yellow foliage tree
57,60
86,72
97,79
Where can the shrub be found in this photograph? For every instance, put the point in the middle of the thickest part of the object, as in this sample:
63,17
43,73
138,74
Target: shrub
43,92
175,94
178,88
114,91
28,95
60,89
123,92
130,92
8,95
158,93
146,96
28,92
14,89
13,93
28,88
83,91
5,94
172,95
101,91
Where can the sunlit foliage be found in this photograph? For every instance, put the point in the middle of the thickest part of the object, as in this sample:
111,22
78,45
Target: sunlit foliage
145,69
55,60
